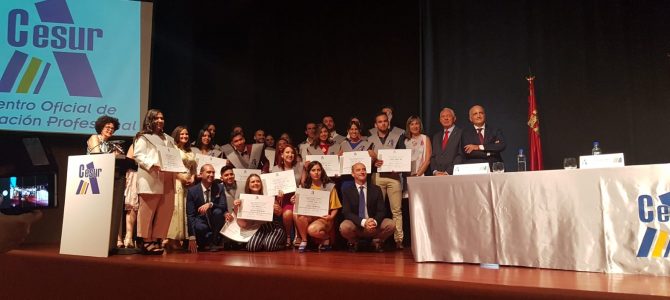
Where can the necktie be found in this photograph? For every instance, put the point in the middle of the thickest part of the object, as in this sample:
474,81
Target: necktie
361,203
481,137
207,196
445,139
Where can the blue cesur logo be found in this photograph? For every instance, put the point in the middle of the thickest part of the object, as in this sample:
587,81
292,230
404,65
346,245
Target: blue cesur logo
56,31
88,178
654,240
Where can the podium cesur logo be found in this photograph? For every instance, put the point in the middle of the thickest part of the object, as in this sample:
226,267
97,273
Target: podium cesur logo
655,241
55,30
88,176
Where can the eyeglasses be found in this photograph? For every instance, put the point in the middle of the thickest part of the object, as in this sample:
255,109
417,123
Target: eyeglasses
109,127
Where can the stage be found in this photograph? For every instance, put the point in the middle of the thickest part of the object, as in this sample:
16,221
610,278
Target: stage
34,272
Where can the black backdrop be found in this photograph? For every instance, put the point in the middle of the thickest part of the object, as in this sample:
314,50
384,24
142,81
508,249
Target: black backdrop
602,67
602,71
277,65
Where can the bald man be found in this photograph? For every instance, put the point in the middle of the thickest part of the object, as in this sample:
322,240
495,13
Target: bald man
482,142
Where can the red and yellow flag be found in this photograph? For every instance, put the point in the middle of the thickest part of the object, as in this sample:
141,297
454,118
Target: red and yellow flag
534,144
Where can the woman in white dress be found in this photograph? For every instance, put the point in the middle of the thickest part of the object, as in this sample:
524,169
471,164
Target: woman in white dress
177,230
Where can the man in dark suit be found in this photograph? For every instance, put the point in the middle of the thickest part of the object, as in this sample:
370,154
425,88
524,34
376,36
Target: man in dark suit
447,150
205,209
364,208
482,142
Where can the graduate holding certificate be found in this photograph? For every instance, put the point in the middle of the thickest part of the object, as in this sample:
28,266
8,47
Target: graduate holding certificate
288,161
268,236
155,188
319,228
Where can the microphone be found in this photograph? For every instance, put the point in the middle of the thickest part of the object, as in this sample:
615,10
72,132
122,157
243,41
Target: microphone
116,144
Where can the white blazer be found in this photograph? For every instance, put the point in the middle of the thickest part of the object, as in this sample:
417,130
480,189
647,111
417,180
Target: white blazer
146,155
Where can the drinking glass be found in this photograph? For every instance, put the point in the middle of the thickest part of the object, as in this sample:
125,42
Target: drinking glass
569,163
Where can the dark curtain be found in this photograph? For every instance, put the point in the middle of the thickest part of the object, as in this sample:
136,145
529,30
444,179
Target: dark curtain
276,65
602,72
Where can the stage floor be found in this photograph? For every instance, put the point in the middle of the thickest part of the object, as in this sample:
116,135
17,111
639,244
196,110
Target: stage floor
287,273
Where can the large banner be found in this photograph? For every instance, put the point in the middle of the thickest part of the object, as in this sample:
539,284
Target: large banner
65,63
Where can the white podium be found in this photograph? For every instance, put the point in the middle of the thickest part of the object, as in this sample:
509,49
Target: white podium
91,215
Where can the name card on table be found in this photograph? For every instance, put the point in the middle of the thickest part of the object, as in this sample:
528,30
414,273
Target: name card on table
470,169
601,161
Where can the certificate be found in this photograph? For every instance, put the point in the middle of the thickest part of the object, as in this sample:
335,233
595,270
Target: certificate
233,231
330,163
241,175
170,159
350,158
256,207
309,202
279,181
395,160
216,162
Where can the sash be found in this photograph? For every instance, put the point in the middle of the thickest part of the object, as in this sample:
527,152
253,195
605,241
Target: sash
362,146
255,156
234,157
270,155
155,140
391,139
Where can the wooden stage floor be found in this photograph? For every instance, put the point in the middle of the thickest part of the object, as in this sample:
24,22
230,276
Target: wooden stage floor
39,271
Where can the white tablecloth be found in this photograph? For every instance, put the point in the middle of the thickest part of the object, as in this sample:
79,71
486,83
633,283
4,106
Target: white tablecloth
585,220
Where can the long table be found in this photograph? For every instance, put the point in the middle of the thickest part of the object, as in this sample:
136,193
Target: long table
600,220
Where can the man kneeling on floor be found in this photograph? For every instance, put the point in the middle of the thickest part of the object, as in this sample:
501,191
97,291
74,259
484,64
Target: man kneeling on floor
364,208
205,209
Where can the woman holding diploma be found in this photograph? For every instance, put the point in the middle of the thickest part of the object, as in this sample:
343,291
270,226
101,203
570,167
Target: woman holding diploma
318,227
154,187
269,236
288,161
177,230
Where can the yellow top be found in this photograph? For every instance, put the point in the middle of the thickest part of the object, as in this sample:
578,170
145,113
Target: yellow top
334,199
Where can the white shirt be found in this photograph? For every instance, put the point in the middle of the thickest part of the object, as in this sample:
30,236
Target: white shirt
365,191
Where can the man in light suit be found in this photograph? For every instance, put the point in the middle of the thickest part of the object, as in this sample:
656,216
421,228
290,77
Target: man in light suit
482,142
447,150
364,208
205,209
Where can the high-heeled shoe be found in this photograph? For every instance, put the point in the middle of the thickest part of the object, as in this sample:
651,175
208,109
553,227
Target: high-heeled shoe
302,247
151,248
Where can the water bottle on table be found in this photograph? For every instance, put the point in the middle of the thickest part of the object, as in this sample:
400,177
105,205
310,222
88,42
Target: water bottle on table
596,149
521,161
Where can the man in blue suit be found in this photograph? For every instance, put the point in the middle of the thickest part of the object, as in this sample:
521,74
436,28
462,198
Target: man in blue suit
205,209
482,142
364,208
